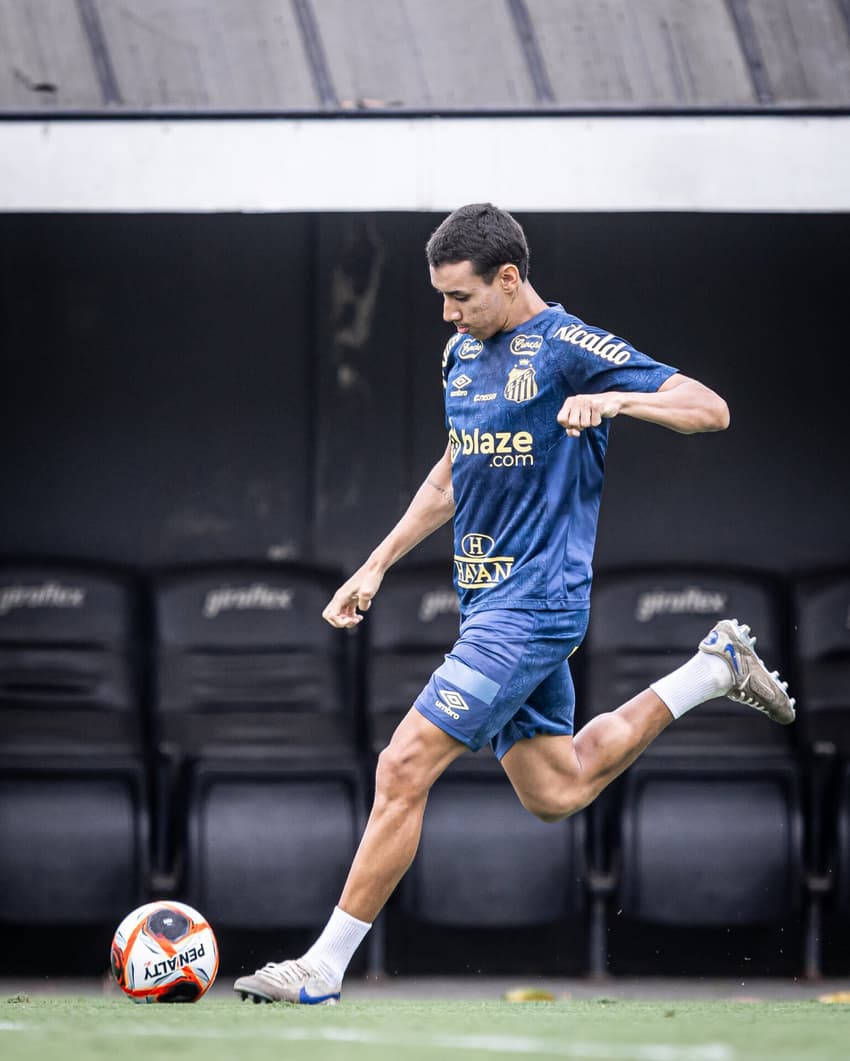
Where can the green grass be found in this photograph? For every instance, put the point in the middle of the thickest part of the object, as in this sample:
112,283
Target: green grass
218,1029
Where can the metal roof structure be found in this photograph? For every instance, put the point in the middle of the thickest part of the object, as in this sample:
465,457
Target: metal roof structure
119,57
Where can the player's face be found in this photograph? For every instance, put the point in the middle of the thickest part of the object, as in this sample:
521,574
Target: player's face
473,306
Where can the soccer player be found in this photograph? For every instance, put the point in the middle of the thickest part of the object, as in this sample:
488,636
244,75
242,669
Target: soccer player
530,391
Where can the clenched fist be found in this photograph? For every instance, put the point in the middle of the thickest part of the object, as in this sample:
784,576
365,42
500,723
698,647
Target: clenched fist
588,410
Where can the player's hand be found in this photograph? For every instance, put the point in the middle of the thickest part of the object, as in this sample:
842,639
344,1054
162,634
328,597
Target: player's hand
588,410
352,598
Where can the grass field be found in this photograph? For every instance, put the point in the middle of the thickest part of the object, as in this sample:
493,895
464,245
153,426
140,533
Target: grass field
41,1029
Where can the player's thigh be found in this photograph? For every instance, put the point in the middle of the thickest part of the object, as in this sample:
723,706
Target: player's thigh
546,775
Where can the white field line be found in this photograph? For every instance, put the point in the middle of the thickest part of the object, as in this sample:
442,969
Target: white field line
498,1044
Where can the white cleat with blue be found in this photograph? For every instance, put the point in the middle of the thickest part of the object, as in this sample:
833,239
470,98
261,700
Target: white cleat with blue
291,981
752,683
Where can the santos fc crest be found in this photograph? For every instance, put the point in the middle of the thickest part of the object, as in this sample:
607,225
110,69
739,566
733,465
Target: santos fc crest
521,385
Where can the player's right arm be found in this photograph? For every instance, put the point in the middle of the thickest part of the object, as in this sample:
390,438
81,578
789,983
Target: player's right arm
431,507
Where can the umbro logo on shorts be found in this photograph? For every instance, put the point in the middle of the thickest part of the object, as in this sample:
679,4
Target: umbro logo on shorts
454,700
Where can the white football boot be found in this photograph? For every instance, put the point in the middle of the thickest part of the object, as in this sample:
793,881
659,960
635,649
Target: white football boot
752,683
291,981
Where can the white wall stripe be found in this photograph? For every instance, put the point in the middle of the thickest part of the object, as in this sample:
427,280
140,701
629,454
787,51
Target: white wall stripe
558,163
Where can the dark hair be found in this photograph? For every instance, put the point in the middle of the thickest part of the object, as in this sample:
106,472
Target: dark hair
482,234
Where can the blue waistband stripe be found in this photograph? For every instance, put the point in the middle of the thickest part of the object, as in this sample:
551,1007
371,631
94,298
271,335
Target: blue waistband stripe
470,681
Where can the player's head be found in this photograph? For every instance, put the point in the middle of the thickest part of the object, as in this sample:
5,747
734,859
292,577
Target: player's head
483,235
478,259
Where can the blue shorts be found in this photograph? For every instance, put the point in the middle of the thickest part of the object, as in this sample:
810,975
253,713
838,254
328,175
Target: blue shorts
507,678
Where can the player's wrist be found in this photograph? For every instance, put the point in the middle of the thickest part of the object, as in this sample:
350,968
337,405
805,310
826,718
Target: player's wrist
378,563
616,402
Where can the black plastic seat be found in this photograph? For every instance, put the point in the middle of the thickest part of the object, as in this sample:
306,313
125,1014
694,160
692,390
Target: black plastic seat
74,818
484,861
411,626
822,647
645,623
262,785
711,843
841,856
245,664
269,844
706,828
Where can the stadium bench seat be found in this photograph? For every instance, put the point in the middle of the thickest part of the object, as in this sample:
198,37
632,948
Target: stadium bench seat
822,649
483,861
74,820
261,782
706,828
713,843
644,624
411,626
842,845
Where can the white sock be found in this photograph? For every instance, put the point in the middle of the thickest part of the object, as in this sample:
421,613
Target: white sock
702,678
335,947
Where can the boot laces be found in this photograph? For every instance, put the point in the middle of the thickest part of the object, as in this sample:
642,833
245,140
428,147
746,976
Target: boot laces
286,973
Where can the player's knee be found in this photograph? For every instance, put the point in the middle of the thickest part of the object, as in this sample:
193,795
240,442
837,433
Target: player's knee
397,775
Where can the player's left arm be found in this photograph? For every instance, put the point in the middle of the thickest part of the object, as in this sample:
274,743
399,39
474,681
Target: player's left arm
680,403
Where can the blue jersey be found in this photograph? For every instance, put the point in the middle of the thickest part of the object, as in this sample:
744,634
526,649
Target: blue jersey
526,494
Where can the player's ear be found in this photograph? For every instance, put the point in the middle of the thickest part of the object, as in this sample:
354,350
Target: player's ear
509,278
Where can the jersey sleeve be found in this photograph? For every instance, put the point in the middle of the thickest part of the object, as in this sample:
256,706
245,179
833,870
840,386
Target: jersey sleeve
448,361
592,360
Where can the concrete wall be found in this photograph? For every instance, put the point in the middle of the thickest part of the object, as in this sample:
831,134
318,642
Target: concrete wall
386,55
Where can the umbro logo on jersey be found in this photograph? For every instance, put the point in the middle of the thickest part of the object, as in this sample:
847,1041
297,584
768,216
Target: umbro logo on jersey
459,385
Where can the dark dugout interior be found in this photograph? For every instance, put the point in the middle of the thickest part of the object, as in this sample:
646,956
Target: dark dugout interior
182,389
189,388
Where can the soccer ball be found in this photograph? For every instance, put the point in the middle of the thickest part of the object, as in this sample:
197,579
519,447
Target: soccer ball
164,952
